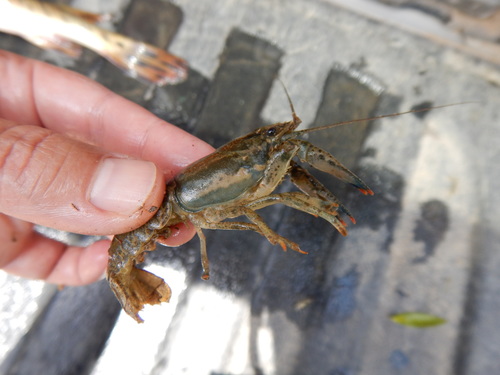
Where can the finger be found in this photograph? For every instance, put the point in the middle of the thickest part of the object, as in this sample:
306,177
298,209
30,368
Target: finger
179,234
28,254
80,266
43,258
72,104
48,179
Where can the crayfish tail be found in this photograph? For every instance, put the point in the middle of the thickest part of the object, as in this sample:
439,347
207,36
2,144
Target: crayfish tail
137,289
149,288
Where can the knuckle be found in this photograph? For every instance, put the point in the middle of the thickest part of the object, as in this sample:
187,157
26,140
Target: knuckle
23,156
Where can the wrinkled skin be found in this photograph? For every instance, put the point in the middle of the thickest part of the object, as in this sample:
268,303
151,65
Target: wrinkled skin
236,180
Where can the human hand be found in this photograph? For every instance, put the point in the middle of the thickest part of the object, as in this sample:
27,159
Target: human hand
74,156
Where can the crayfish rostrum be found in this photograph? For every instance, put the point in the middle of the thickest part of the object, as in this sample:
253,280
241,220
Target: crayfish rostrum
236,180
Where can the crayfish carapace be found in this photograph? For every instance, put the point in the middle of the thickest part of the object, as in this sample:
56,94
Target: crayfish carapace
236,180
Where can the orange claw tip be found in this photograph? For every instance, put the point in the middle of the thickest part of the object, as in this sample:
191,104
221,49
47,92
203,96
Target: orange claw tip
283,245
366,191
205,276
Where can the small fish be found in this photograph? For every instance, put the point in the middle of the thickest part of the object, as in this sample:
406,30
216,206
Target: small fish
60,27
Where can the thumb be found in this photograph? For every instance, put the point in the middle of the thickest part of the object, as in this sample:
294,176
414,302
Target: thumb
49,179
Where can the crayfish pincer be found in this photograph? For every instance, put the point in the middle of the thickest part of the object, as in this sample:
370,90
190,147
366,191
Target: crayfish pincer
236,180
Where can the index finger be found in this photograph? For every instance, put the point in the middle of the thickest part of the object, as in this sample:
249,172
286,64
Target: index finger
36,93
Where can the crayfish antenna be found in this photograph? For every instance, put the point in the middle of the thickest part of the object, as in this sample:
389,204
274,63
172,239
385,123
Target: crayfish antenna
377,118
296,119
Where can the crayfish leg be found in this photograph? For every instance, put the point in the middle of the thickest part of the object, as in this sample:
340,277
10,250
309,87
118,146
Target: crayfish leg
302,202
271,235
257,225
204,256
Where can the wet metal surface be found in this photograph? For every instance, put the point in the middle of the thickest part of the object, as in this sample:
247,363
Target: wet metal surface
427,241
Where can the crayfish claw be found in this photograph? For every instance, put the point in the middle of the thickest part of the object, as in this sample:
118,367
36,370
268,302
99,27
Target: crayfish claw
342,231
285,243
282,244
366,191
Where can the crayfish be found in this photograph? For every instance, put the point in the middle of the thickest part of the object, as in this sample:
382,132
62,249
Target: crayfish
236,180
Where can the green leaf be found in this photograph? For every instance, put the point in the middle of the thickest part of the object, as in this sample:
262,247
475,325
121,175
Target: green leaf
417,319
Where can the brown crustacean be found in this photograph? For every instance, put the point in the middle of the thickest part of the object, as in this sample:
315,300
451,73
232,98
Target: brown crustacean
236,180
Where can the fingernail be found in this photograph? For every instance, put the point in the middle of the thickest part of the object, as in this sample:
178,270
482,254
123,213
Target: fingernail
122,185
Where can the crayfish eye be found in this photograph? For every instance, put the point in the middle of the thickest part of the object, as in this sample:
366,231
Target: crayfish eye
271,132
